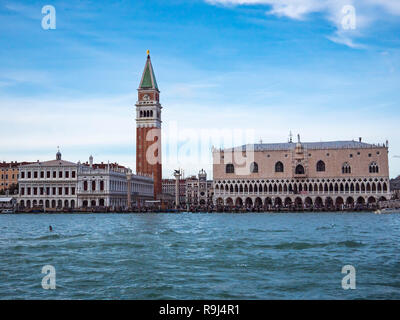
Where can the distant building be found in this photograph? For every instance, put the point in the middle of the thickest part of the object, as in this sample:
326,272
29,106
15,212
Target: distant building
308,174
199,190
9,174
60,184
169,187
106,185
395,187
49,184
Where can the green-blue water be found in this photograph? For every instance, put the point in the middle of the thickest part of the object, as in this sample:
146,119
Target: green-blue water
200,256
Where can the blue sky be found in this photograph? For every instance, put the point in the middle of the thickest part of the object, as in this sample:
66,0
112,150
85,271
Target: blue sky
263,65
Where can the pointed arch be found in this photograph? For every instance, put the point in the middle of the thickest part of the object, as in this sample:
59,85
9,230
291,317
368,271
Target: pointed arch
279,167
254,167
346,168
320,166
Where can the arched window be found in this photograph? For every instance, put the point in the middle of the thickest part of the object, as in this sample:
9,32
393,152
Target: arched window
320,166
93,185
373,168
151,113
279,167
299,169
346,168
229,168
85,185
141,113
254,167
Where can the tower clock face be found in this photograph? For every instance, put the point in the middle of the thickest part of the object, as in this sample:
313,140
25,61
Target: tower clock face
146,97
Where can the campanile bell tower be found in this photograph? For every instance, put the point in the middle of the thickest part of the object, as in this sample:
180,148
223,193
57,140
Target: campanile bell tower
148,127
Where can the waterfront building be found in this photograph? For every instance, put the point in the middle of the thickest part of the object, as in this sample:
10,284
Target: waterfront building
148,128
49,184
395,187
319,174
106,185
199,190
169,187
9,174
60,184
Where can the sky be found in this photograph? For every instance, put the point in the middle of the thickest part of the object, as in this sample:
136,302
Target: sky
229,71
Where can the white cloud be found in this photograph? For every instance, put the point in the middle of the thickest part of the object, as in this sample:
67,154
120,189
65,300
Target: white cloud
367,11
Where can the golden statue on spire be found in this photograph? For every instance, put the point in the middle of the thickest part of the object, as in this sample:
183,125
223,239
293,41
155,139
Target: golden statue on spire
148,52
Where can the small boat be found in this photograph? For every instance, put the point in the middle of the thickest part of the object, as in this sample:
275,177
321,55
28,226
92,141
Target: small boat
386,211
6,211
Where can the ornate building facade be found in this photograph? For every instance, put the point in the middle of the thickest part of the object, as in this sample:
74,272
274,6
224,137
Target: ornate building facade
60,184
315,174
106,185
49,184
169,188
148,128
199,190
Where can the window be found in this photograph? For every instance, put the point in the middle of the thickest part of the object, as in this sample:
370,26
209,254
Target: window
73,174
93,185
60,174
48,174
35,175
29,175
279,167
346,168
299,169
54,174
254,167
73,191
66,189
229,168
22,175
320,166
67,174
41,174
373,168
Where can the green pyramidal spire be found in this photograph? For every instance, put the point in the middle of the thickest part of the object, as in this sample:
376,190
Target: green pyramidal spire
148,78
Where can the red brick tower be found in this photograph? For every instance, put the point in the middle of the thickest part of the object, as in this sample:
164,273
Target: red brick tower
148,128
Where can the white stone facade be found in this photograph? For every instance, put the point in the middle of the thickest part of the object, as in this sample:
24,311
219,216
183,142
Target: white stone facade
106,185
59,184
51,184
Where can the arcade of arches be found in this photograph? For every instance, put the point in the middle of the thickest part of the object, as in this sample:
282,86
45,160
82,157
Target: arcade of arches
305,193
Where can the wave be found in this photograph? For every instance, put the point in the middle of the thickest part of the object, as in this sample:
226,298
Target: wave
268,230
310,245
